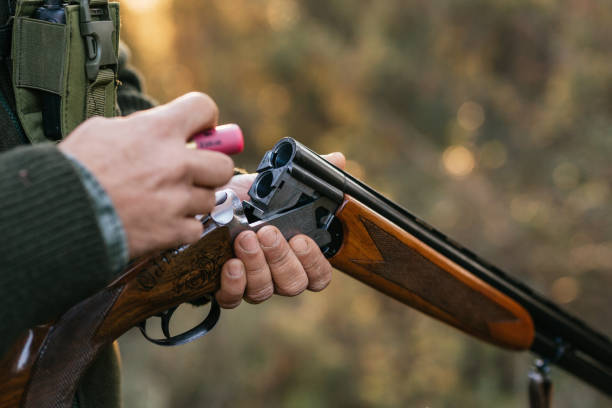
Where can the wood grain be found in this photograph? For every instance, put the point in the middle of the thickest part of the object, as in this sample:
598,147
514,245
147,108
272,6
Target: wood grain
43,368
15,368
384,256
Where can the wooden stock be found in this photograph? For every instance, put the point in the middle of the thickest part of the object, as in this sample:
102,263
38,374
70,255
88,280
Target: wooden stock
384,256
43,368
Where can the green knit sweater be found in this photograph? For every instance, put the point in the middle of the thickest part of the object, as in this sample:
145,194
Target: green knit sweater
52,253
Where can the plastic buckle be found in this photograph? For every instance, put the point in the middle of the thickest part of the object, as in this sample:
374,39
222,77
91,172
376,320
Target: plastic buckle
98,36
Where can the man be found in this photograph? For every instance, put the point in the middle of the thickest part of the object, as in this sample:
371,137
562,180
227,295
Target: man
73,214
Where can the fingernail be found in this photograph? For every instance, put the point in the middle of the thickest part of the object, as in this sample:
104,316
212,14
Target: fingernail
268,237
235,270
299,244
249,243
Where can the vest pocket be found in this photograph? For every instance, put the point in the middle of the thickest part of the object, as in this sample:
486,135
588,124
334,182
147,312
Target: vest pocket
50,58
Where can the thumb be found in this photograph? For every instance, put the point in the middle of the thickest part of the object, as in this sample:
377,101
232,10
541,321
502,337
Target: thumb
189,114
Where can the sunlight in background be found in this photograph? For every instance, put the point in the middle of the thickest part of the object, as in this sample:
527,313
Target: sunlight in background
587,257
143,6
445,214
566,176
151,31
493,154
458,161
470,116
273,100
282,14
525,209
565,289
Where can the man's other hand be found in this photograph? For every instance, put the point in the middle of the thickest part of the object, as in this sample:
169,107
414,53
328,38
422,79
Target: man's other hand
266,263
155,183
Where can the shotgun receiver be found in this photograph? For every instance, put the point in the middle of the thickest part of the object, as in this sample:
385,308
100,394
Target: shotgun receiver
361,232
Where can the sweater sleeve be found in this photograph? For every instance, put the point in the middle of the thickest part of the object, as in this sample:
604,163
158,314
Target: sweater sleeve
52,252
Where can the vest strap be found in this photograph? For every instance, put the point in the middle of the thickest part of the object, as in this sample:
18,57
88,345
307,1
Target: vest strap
97,93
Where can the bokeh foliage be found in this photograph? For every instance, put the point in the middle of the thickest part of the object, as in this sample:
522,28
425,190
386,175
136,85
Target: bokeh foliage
489,119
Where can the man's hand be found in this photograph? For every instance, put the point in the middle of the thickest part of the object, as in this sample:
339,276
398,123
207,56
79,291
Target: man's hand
154,182
266,263
157,186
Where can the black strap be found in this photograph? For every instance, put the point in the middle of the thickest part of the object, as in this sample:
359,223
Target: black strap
5,40
7,11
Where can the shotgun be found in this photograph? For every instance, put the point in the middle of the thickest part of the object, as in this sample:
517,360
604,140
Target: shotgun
361,232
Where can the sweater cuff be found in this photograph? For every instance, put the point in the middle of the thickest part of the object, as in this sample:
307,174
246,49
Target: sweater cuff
109,222
52,253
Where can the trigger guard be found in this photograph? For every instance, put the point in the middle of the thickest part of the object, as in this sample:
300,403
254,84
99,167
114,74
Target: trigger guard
165,321
190,335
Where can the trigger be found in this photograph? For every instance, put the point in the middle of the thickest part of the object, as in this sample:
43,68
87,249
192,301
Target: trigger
165,321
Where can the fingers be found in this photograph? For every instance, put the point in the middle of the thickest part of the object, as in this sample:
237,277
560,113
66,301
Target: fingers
189,114
269,264
337,159
233,283
198,201
208,168
259,285
241,184
190,231
287,272
317,268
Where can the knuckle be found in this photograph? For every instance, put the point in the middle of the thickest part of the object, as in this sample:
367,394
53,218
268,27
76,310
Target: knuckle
183,164
319,274
228,166
95,122
260,295
252,263
294,287
152,123
203,200
203,101
231,305
227,303
279,257
320,283
209,201
181,169
223,165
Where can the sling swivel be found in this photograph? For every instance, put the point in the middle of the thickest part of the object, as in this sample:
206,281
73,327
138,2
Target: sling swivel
98,36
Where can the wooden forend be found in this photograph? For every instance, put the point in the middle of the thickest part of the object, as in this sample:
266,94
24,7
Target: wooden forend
384,256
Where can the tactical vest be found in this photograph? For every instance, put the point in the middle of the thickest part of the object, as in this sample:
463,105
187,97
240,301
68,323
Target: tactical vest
64,70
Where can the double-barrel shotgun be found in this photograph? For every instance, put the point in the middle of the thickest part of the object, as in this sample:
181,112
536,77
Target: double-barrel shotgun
360,231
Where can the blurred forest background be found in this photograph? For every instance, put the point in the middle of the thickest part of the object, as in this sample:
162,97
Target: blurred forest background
491,120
